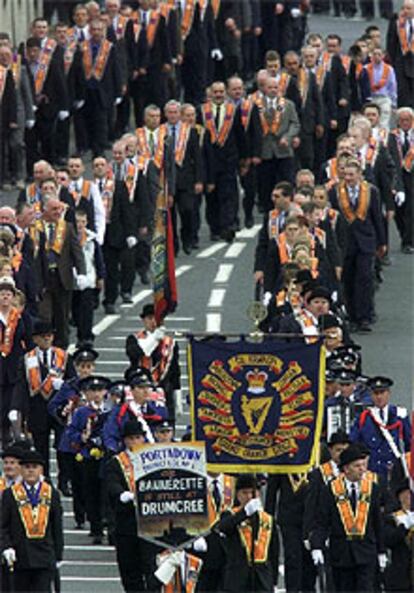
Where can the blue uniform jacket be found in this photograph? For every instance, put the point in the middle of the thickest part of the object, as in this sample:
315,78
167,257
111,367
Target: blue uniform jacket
78,425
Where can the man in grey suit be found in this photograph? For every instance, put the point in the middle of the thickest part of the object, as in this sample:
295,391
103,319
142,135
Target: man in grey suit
63,253
280,126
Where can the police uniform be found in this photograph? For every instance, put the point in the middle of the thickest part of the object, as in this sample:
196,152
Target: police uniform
340,411
386,432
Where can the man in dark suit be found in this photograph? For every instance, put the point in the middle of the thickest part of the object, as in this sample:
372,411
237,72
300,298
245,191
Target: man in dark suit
400,48
34,548
188,184
8,109
226,148
364,236
63,254
355,546
98,75
45,69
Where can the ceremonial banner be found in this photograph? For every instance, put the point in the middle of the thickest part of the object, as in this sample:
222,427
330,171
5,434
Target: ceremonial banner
162,258
171,491
257,406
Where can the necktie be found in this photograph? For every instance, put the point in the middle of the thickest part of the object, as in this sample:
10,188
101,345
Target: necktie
216,494
410,31
353,497
32,492
100,185
217,118
45,358
382,415
51,233
151,143
144,19
406,144
81,36
173,132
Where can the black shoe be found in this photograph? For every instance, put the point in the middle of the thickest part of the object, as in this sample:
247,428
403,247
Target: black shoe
408,249
227,235
195,245
79,526
66,489
126,298
214,237
97,540
110,309
249,222
364,328
187,249
144,278
353,327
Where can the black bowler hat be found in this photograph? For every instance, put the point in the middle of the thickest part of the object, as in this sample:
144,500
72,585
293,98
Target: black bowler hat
139,378
330,376
327,321
42,327
319,292
85,354
163,425
132,428
32,456
380,383
350,454
13,451
338,438
303,276
246,481
147,310
335,364
401,486
346,377
94,382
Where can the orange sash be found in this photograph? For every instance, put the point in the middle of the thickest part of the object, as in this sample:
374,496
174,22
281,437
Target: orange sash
166,351
226,501
363,202
7,336
16,68
354,524
284,81
375,87
43,67
85,192
409,160
346,63
215,5
327,472
35,520
3,79
121,26
187,18
402,34
218,136
95,70
144,149
283,249
152,27
262,541
181,142
257,99
276,121
3,484
192,569
69,54
303,84
59,239
127,469
304,320
320,75
34,376
246,106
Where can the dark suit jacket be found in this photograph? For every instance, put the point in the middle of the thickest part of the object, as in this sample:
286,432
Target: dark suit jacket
125,517
340,86
312,112
346,553
123,221
54,96
190,171
32,553
403,64
398,576
382,175
9,364
70,257
8,105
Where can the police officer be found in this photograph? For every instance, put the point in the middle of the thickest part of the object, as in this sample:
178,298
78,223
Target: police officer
384,428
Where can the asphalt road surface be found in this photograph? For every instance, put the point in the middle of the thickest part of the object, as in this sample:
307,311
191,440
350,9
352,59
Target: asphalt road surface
215,288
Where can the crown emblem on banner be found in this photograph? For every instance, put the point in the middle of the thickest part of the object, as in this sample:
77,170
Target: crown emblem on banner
256,380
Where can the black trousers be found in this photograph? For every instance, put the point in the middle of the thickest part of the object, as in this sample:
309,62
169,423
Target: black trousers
222,203
93,489
33,579
96,122
300,573
83,303
40,142
55,307
404,214
306,151
62,138
367,8
356,579
151,88
120,272
81,135
184,204
271,171
358,273
41,437
249,184
77,481
131,569
194,77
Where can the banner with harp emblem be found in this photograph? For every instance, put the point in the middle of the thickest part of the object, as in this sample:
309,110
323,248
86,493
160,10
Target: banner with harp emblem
257,406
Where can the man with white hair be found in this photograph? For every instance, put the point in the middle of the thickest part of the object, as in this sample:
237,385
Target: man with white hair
31,194
400,48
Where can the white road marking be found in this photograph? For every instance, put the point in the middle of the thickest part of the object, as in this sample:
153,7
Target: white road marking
88,563
91,579
80,548
141,295
216,297
211,250
235,249
109,362
213,322
104,323
223,273
182,269
248,233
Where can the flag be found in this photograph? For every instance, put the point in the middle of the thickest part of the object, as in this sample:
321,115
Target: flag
257,406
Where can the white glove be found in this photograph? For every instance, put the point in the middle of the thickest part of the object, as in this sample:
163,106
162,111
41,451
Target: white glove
295,12
382,561
10,556
200,545
216,54
399,198
79,104
117,101
62,115
30,123
255,504
81,281
168,567
307,545
13,415
131,241
159,333
407,520
59,564
267,297
317,557
57,383
126,496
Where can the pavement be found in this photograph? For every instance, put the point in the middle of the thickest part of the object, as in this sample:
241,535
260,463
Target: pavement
215,287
